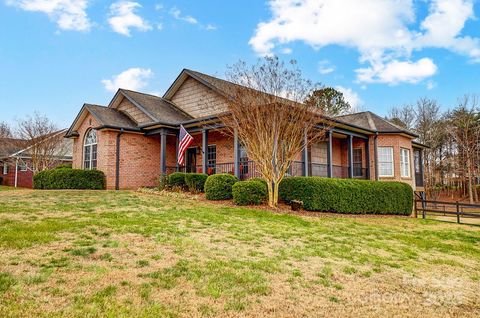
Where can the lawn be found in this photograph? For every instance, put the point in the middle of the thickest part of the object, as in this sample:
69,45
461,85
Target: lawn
128,254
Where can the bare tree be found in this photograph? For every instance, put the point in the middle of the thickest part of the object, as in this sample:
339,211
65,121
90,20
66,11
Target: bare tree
5,130
269,117
403,116
42,141
465,130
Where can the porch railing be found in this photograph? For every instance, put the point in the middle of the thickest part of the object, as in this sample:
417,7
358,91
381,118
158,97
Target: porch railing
249,170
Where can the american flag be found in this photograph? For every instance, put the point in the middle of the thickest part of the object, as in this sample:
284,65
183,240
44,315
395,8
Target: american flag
185,140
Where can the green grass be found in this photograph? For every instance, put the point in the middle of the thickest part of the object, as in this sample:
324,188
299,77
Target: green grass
101,253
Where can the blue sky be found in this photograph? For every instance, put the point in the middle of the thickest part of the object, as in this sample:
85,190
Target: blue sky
57,54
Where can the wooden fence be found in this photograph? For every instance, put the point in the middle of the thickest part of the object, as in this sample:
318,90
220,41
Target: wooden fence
444,210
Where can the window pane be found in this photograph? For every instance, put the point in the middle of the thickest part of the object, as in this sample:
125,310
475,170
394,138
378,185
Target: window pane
211,159
405,162
385,161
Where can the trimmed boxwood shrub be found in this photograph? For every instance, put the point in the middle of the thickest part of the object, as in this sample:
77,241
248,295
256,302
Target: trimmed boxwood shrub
195,181
219,186
348,195
177,179
249,192
69,179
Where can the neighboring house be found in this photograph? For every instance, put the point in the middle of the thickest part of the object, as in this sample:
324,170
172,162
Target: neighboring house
133,140
16,160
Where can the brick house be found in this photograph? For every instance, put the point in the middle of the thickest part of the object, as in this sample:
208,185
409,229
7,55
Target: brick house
16,160
134,140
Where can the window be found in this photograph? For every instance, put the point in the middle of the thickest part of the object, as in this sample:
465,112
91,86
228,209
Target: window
405,162
5,168
385,161
211,159
357,163
243,160
417,161
22,166
90,150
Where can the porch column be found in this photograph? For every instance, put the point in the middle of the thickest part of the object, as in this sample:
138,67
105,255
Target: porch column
350,156
305,154
177,166
367,158
236,154
163,152
204,149
329,154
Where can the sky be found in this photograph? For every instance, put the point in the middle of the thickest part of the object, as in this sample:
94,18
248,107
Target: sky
56,55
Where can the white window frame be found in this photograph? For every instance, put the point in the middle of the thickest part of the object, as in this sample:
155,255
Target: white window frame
392,163
90,146
5,168
405,166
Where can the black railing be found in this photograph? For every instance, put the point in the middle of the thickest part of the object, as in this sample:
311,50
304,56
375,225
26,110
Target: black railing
249,170
318,170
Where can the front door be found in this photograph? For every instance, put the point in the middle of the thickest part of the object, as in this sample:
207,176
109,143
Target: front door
191,160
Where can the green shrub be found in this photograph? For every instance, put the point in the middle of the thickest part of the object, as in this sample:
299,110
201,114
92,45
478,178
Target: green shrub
249,192
195,181
69,179
259,180
177,179
219,186
348,195
64,166
162,182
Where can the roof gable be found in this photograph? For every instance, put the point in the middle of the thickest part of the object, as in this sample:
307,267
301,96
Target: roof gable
373,122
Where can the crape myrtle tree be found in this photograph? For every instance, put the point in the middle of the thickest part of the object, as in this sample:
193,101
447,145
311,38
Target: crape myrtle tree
267,112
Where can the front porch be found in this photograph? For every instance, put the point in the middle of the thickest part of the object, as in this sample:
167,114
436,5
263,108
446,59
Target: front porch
342,154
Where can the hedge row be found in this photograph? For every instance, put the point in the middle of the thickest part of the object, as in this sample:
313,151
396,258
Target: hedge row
348,195
65,178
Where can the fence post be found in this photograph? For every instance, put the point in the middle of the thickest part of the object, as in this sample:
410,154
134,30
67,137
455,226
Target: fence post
458,212
415,208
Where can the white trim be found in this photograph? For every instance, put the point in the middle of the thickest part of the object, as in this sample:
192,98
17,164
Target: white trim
16,172
393,164
409,173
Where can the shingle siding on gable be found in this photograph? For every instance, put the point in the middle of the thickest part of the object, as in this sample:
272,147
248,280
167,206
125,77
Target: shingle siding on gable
198,100
133,112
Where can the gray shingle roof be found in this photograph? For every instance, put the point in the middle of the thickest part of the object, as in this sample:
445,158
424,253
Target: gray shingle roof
373,122
161,109
110,117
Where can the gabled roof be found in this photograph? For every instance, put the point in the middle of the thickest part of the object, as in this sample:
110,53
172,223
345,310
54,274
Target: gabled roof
374,123
106,118
9,146
159,108
63,151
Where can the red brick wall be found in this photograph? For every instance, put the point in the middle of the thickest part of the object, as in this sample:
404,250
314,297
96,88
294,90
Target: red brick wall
397,142
24,178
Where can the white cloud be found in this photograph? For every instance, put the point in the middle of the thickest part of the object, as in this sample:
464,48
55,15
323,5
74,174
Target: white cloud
325,67
350,96
68,14
385,41
395,72
123,18
133,78
177,14
431,85
287,50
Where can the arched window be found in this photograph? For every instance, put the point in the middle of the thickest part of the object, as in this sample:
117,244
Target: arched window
90,150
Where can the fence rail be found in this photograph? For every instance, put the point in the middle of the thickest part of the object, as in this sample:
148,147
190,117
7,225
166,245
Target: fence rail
447,209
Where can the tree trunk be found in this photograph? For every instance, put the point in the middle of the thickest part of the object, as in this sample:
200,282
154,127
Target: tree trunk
470,190
270,193
275,195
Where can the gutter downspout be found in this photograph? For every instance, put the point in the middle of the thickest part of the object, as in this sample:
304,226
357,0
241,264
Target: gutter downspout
375,150
117,163
16,172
